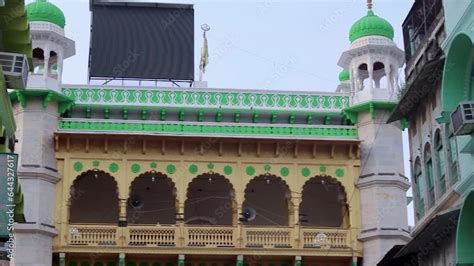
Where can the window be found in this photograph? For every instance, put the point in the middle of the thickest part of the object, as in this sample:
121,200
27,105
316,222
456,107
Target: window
452,156
429,174
440,163
418,190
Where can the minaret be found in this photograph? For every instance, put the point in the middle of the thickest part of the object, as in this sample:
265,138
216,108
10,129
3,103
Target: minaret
37,109
373,61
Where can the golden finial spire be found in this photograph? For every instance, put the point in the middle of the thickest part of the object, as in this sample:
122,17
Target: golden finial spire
369,4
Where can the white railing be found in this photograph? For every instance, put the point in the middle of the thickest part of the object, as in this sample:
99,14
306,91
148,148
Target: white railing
325,238
151,235
92,235
205,236
208,236
275,237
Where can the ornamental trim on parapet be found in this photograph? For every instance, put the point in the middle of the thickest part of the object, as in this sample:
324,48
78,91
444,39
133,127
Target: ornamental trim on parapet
192,98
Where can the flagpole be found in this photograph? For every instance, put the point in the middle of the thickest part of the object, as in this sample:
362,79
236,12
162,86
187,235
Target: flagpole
204,52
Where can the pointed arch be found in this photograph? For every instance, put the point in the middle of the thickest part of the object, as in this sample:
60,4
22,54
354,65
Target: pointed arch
380,76
363,71
38,60
440,162
419,190
428,160
269,195
324,203
209,200
94,198
152,199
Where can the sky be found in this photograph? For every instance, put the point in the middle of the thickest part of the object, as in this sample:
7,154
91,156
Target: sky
260,44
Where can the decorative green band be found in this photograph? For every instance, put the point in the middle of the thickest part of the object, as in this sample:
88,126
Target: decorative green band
370,106
193,98
64,102
200,129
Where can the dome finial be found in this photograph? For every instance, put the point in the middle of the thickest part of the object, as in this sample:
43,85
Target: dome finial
369,4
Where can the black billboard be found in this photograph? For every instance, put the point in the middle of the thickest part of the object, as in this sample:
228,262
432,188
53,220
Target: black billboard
131,40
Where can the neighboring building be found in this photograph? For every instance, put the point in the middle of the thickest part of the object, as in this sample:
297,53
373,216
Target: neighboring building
119,175
15,52
438,45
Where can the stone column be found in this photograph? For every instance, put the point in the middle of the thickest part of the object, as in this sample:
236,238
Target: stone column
123,211
60,66
387,68
181,230
295,201
239,201
357,82
370,70
46,63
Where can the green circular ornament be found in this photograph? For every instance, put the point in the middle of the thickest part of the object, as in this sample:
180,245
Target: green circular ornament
153,165
170,169
78,166
113,167
250,170
95,163
193,169
284,171
322,168
305,172
267,167
135,168
339,172
228,169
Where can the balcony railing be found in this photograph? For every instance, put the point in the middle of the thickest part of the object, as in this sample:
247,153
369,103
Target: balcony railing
264,237
181,235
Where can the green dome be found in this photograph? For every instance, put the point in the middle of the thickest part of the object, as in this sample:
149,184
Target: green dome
344,75
42,10
371,25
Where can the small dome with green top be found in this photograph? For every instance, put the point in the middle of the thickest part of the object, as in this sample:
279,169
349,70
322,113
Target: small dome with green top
344,75
371,25
42,10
